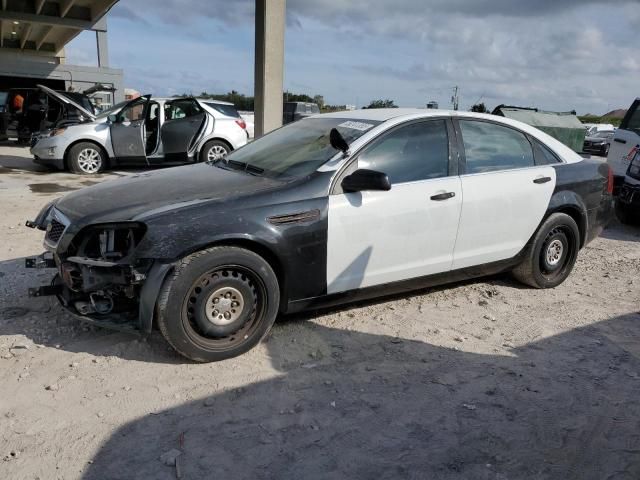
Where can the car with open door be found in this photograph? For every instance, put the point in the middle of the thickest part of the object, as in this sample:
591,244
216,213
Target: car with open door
327,210
142,132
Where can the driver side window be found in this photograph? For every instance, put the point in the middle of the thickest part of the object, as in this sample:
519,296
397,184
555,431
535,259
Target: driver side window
419,151
133,112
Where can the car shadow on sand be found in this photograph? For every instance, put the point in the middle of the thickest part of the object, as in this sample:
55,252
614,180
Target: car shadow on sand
373,406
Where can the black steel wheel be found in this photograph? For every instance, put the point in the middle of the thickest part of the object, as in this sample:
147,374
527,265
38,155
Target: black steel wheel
552,253
218,304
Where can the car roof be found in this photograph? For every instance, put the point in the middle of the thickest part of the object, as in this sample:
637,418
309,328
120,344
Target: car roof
211,100
396,116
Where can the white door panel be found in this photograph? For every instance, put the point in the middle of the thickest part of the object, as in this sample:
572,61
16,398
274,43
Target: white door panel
380,237
501,211
620,154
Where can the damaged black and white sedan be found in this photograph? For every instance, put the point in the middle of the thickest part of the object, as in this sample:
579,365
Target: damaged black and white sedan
327,210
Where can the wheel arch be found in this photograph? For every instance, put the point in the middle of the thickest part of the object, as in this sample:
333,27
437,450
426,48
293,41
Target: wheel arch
84,140
250,244
216,138
571,204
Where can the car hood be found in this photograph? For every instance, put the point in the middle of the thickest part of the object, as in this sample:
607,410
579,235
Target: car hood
139,197
595,139
68,101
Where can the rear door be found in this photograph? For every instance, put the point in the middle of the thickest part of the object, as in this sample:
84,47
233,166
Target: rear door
505,194
128,132
625,141
184,120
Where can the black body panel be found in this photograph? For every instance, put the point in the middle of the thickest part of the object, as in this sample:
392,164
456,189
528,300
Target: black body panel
581,188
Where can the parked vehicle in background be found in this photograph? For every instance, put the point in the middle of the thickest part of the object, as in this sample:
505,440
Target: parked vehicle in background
144,131
327,210
227,112
593,128
625,144
43,109
294,111
628,199
598,143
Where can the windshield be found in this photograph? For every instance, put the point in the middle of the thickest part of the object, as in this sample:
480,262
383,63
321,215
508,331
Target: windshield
296,150
116,108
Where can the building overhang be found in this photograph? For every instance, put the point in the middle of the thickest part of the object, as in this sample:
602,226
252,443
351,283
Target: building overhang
46,26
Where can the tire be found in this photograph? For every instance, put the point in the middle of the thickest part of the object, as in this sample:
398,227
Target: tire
552,253
86,158
196,313
213,150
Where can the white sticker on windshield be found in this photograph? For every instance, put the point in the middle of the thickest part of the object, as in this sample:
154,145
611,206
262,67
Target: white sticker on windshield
356,125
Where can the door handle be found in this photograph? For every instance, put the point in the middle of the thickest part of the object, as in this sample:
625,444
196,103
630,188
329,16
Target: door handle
620,140
443,196
540,180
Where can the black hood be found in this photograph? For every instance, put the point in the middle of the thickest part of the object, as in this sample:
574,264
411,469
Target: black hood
140,196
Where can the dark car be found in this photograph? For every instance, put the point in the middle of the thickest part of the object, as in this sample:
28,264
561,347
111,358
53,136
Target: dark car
327,210
44,109
598,143
628,199
294,111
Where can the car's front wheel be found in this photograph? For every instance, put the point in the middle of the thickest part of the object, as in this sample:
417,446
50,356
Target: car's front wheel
552,254
214,150
218,303
86,159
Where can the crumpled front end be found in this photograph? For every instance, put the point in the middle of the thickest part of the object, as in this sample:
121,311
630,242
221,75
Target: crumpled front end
99,276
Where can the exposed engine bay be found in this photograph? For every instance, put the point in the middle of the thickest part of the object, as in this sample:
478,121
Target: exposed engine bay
98,274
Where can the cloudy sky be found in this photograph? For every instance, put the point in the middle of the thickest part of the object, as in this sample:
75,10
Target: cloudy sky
553,54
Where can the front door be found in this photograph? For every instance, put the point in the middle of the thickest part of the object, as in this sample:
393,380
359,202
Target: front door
128,132
183,122
505,194
378,237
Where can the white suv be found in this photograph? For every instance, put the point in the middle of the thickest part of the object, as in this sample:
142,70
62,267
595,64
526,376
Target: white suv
625,143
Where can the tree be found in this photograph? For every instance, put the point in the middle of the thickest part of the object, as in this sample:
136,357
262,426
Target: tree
382,104
480,108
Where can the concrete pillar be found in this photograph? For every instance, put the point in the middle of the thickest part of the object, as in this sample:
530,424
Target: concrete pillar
269,67
103,49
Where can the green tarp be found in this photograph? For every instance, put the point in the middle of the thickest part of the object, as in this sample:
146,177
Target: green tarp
563,126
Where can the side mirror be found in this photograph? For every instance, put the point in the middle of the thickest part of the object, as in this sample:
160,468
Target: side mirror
113,118
364,179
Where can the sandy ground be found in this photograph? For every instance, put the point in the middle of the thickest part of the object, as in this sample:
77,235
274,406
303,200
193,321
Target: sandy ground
480,380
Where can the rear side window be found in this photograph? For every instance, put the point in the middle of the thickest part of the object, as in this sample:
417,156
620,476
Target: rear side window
181,109
490,147
632,118
544,156
228,110
419,151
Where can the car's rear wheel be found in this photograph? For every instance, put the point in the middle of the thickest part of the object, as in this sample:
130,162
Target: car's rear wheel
219,303
552,254
214,150
86,158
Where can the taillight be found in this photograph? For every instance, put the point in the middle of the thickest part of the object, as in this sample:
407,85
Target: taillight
610,181
241,123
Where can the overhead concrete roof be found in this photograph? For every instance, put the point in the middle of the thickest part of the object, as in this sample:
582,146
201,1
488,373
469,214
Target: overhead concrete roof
47,26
